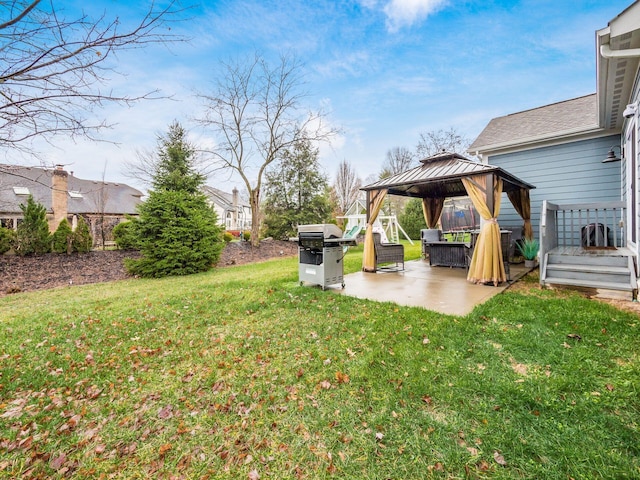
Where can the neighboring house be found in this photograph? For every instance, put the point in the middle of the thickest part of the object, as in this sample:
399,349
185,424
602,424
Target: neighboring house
233,213
585,205
102,204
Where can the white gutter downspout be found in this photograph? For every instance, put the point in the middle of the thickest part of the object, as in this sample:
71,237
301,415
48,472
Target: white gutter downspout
606,52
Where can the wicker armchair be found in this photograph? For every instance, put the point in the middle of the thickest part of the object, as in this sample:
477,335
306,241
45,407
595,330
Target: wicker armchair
387,253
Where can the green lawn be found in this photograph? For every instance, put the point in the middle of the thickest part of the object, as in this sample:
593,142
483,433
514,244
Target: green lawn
243,373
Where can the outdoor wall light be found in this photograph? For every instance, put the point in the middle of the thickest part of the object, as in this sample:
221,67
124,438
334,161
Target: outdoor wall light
630,111
611,157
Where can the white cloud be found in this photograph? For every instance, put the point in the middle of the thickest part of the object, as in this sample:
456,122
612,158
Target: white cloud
404,13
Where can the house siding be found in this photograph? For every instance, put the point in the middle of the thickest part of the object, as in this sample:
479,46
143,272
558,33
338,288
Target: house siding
572,172
632,123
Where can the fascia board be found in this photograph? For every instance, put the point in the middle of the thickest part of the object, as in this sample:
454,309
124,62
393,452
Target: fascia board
602,73
544,141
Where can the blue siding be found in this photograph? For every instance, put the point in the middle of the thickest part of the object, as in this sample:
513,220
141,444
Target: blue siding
569,173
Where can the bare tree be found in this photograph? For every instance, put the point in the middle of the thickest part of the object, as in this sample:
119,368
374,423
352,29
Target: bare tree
346,187
100,202
438,141
399,159
53,68
256,114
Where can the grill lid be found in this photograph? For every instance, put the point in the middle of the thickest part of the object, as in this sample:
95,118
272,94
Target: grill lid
327,230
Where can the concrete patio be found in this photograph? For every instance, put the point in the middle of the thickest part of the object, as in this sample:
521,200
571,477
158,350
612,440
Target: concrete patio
441,289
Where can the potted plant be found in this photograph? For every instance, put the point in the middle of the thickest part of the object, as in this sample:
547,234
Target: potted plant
529,250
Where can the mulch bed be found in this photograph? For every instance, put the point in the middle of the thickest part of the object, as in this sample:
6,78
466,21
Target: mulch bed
39,272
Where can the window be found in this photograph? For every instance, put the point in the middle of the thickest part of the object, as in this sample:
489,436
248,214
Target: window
74,194
21,191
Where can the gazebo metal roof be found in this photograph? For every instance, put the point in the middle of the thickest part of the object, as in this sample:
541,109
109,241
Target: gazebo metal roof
441,176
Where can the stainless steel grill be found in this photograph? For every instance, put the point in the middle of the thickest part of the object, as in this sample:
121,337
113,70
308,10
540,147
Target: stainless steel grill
321,250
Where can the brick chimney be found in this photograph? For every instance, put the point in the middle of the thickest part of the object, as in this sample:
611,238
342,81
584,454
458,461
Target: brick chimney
59,197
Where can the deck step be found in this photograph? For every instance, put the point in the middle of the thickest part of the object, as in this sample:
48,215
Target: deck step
590,283
595,260
600,269
590,272
609,271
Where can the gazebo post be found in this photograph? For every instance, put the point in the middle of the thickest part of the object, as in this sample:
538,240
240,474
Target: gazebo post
490,194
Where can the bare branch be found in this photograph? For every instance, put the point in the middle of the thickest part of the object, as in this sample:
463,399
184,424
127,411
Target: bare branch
346,187
256,113
54,70
436,141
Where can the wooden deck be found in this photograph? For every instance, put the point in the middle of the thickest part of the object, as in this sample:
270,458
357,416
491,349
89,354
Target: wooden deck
591,252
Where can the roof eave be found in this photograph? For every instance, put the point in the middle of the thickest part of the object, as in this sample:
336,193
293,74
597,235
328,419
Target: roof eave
561,137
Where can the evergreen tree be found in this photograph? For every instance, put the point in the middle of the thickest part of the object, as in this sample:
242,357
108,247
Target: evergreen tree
124,235
7,239
412,218
177,232
62,238
297,192
32,236
82,239
175,169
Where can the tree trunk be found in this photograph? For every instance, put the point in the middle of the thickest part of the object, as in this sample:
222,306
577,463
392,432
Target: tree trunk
254,200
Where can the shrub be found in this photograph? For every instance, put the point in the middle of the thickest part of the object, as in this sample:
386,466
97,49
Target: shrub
7,239
227,236
124,235
82,240
246,235
32,236
412,218
178,234
62,238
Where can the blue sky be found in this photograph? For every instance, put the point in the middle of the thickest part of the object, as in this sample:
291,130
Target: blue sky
384,70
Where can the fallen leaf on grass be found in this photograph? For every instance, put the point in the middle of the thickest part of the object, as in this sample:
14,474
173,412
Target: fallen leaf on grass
342,377
519,368
56,463
325,384
499,459
165,412
254,475
12,413
164,449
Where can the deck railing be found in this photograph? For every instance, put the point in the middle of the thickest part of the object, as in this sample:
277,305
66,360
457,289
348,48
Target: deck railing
581,225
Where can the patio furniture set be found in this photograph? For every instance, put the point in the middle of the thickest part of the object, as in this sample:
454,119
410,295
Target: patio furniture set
455,248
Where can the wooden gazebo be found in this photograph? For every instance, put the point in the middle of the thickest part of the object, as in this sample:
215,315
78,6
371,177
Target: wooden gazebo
451,175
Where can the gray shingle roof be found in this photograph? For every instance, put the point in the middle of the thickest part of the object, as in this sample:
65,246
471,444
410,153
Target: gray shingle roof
550,121
119,198
223,199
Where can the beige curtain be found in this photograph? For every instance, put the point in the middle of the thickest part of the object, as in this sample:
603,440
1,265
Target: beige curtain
486,264
432,209
522,203
376,197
